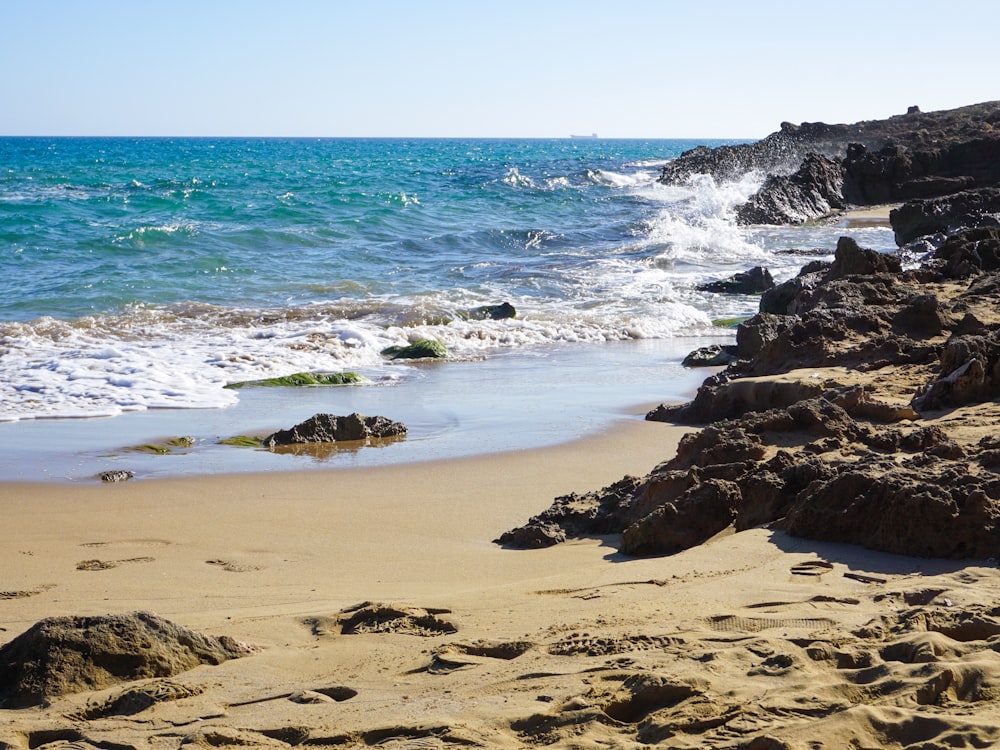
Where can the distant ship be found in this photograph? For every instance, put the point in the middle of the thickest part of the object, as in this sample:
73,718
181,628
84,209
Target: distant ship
592,135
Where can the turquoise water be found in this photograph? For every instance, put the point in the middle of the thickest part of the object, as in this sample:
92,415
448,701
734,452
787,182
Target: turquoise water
147,274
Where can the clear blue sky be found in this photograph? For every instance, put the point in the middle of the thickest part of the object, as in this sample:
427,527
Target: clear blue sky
621,68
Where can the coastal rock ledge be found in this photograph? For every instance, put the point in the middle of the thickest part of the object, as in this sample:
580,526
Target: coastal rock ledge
862,404
816,170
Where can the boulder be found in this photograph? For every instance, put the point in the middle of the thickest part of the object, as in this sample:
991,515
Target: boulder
713,355
754,281
421,349
502,311
116,475
62,655
532,536
330,428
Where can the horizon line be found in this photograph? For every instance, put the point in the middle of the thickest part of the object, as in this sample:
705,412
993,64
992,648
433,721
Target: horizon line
402,137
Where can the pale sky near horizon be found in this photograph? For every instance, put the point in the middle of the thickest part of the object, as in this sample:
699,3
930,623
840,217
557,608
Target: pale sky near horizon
478,68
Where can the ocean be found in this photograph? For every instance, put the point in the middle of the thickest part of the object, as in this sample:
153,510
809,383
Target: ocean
144,275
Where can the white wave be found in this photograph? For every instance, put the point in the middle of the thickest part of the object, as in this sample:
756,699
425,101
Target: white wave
183,358
647,163
617,179
696,224
515,179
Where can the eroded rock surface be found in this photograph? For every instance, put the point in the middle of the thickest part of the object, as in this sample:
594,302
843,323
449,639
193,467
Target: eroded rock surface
62,655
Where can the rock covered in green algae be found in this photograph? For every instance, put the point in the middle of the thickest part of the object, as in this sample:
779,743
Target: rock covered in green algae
303,379
422,349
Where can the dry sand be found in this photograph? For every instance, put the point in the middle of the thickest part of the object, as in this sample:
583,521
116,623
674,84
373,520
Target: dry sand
747,641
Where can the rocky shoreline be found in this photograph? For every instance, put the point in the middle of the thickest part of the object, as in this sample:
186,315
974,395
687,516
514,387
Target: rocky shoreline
861,403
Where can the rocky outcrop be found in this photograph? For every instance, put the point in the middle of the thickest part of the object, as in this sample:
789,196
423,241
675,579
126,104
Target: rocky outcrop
816,169
927,505
970,373
946,215
969,252
782,152
828,424
330,428
62,655
933,502
802,292
863,402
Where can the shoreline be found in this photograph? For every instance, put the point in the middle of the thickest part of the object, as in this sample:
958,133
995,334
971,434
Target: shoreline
454,409
516,648
287,527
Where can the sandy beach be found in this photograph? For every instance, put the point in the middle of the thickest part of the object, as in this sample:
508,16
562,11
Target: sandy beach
466,643
368,605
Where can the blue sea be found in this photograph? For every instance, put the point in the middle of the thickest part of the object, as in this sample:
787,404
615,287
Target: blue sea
142,274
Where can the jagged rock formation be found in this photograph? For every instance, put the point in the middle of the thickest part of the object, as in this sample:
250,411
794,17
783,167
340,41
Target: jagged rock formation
815,189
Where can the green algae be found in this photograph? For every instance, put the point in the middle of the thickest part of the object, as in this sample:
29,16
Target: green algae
729,322
300,379
241,441
155,448
422,349
162,449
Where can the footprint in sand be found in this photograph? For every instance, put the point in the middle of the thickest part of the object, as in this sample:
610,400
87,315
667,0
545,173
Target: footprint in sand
18,594
130,543
337,694
735,623
818,602
455,656
108,564
584,644
811,568
233,567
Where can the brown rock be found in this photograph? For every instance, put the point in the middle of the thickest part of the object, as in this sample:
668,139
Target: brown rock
329,428
697,515
63,655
